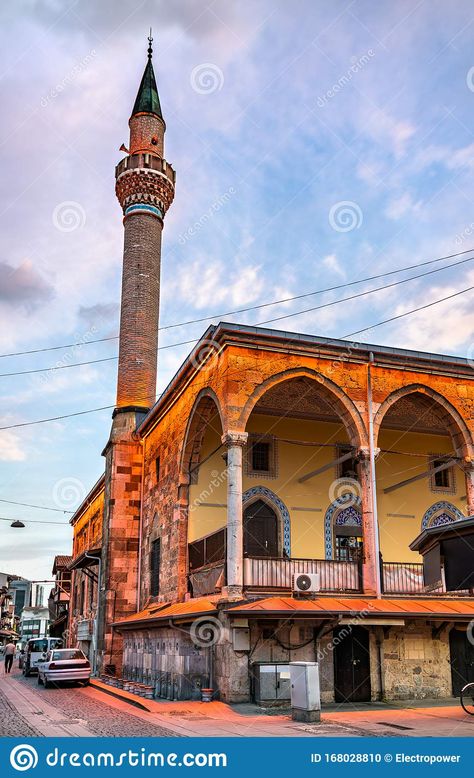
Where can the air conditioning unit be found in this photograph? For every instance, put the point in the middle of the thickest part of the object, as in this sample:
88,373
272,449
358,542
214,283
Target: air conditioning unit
306,583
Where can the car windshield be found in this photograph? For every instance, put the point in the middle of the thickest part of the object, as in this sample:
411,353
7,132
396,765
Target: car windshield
65,654
38,645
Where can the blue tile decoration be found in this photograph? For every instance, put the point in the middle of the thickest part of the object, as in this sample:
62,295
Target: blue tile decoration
440,513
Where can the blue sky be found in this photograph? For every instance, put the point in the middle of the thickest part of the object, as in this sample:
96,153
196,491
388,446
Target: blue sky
277,113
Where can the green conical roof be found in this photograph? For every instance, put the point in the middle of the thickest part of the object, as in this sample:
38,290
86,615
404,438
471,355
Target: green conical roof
147,98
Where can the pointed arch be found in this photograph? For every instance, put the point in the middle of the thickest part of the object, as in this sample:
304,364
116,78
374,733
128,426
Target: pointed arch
206,409
345,510
449,416
442,512
339,400
265,494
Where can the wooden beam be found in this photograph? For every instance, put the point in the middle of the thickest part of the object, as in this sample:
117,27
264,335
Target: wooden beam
418,477
322,469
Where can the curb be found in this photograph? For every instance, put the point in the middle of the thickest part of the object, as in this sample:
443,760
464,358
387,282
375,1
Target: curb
132,699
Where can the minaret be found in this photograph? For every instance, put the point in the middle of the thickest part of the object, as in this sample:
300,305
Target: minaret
145,190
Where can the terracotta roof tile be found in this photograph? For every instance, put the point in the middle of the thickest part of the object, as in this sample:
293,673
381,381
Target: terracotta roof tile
164,611
449,608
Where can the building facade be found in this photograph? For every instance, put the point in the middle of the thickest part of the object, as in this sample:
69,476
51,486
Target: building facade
60,596
273,461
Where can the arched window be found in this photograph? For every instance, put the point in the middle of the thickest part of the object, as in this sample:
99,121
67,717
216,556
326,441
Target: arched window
440,513
258,502
343,529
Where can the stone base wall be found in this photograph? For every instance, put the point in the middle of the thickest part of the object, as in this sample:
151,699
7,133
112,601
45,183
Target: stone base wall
415,665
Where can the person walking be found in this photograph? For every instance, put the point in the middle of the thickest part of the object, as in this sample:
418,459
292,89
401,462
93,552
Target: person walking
10,650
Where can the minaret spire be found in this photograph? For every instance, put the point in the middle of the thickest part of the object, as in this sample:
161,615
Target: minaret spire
145,189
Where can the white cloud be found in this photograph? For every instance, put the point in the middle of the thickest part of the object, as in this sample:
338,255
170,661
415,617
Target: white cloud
11,449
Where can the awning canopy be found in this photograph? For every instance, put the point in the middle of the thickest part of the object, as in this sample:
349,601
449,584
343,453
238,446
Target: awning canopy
322,607
158,613
81,561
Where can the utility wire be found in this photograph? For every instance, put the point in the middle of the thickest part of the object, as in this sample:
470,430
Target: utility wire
252,307
41,507
39,521
371,327
267,321
407,313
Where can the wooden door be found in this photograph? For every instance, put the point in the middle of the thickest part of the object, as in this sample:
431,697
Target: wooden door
351,664
462,660
260,530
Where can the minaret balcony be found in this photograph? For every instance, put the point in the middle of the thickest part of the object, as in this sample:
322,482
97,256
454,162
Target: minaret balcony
146,161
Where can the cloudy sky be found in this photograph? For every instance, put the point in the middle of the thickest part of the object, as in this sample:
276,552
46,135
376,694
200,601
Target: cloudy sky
314,143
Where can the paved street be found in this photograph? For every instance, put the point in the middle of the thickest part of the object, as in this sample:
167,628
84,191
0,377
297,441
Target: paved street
29,710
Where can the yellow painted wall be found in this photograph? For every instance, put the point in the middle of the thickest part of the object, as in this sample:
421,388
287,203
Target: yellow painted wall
396,532
307,527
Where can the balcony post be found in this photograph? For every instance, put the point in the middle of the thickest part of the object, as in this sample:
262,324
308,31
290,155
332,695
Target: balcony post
371,571
234,441
469,477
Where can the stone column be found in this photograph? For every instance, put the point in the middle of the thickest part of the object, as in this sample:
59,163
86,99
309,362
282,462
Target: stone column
469,476
370,561
235,441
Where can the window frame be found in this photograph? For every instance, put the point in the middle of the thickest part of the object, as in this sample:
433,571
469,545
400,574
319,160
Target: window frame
254,438
155,567
434,460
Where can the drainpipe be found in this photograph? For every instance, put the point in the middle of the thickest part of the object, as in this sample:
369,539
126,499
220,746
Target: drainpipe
373,478
140,525
96,618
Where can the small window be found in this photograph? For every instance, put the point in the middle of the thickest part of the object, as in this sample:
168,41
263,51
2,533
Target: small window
348,468
155,560
261,456
157,469
442,480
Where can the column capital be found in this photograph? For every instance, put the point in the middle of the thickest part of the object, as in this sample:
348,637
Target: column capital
363,453
231,438
468,465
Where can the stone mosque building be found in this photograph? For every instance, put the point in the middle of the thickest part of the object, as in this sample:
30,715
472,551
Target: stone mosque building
266,508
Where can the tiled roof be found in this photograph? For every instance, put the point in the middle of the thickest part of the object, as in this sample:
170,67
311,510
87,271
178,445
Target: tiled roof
61,561
164,610
426,607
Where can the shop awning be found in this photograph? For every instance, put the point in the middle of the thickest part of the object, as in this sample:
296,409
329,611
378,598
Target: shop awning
157,613
322,607
81,561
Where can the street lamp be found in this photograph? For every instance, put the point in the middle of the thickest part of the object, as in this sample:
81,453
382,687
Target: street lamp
17,524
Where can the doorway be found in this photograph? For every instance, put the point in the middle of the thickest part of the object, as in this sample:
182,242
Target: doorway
462,660
260,530
351,664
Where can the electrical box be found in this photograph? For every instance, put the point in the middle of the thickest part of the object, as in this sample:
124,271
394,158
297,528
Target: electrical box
271,683
241,639
305,692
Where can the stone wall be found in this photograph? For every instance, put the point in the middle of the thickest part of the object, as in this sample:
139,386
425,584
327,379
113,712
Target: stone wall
416,665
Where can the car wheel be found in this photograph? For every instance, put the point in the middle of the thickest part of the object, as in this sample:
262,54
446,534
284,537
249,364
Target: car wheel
86,682
47,684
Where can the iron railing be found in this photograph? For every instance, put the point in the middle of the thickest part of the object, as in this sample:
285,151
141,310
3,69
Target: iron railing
274,573
406,578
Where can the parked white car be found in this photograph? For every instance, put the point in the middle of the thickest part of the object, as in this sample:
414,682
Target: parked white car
64,664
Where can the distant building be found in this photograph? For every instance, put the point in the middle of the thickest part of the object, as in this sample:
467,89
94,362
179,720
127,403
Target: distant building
34,622
59,597
13,592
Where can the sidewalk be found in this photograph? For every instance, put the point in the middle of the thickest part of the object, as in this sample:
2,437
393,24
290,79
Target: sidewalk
422,718
42,717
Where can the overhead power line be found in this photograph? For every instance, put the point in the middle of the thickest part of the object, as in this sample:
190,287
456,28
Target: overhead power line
266,321
349,335
252,307
29,505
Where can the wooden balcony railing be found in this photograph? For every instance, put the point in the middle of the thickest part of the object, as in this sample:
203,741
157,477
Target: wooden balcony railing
272,573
